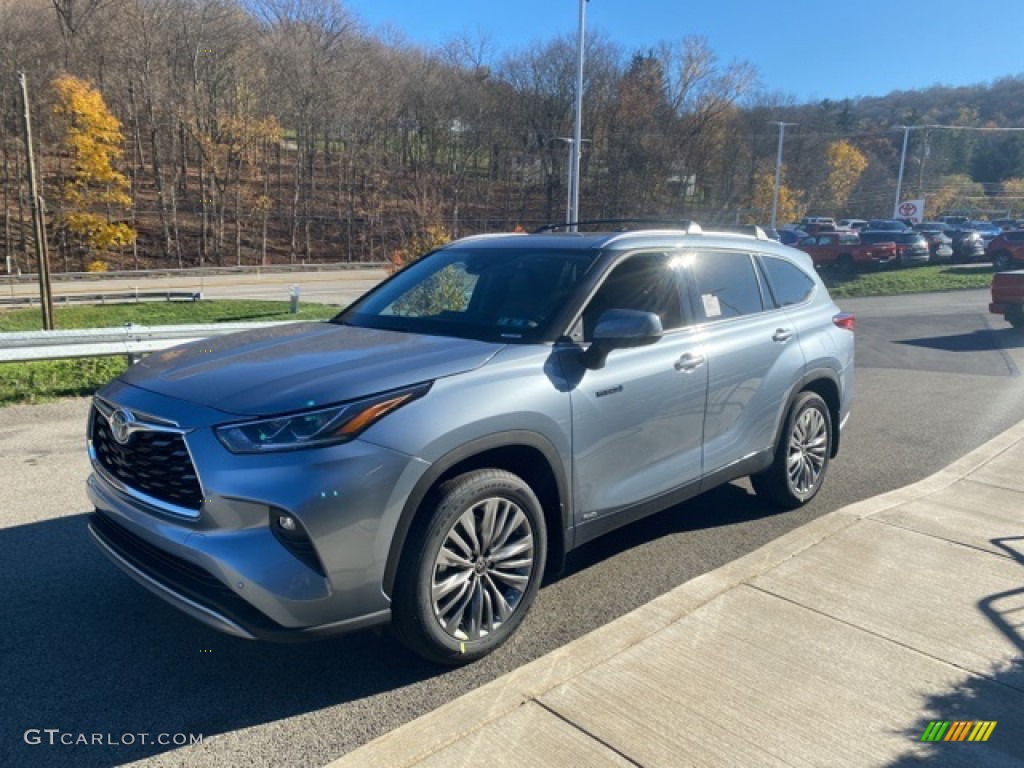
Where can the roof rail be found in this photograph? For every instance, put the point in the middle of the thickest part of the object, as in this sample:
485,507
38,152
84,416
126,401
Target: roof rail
750,230
485,236
625,225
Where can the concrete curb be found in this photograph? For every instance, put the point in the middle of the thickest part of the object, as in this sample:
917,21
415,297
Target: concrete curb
469,713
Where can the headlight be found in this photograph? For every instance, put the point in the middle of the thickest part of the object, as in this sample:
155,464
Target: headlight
314,428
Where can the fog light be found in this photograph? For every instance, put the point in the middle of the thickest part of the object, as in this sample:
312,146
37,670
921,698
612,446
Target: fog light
287,523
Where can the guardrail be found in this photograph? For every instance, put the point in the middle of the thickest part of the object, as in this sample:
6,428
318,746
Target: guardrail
130,340
103,298
271,269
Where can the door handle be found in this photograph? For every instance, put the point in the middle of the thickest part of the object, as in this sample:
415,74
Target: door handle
782,335
690,362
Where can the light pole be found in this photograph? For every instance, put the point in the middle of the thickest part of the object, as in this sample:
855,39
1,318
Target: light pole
570,142
778,170
899,180
576,147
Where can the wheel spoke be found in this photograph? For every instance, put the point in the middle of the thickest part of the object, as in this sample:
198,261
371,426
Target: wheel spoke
514,579
501,607
451,613
442,589
487,523
455,538
511,522
511,550
449,558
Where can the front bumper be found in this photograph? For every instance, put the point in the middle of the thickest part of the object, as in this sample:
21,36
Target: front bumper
225,566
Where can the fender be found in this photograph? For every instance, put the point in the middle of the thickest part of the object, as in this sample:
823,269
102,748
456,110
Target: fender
464,453
810,377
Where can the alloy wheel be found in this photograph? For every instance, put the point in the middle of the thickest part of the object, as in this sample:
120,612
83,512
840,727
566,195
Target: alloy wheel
482,569
808,449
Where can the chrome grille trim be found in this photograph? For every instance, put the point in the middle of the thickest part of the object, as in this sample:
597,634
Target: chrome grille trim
143,422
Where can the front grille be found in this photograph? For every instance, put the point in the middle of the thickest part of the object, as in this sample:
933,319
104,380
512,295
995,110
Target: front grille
154,463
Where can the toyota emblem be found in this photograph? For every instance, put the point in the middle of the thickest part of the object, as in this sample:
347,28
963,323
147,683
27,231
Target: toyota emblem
121,425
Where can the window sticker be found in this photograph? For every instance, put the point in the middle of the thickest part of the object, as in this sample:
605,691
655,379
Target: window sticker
711,306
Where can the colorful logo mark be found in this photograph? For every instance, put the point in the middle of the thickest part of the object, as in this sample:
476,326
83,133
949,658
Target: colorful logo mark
959,730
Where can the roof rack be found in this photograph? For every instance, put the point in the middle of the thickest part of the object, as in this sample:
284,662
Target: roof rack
625,225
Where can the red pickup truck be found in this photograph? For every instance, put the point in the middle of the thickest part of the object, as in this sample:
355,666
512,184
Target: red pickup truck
844,250
1008,297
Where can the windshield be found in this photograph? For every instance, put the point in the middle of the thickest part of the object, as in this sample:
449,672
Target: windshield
492,294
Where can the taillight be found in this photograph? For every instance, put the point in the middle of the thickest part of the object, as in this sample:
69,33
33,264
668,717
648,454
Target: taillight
844,320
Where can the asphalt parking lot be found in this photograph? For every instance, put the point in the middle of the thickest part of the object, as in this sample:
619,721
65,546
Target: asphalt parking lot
89,652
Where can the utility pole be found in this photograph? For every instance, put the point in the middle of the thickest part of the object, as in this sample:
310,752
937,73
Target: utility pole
577,136
38,224
899,180
778,170
568,203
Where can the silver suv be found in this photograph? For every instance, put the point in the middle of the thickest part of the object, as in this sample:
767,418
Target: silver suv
427,455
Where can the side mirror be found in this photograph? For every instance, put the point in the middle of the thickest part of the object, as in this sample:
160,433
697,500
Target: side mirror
621,329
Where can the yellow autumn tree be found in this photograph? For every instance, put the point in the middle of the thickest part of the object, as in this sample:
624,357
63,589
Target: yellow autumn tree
846,164
790,200
1012,194
434,236
92,137
955,192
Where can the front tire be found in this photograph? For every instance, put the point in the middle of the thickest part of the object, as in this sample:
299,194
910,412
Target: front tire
472,568
801,455
1001,261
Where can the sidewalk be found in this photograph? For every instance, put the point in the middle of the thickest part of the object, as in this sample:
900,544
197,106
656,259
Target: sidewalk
834,645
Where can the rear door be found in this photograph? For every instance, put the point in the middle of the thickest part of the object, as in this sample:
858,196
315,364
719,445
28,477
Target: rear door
753,356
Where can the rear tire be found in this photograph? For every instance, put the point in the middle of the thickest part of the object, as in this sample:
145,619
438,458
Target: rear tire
801,455
472,567
845,264
1001,261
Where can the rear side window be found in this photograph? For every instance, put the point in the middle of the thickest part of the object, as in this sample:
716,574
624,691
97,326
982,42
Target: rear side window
726,285
788,283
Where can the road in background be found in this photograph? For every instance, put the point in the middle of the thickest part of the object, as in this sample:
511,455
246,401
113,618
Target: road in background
88,651
339,287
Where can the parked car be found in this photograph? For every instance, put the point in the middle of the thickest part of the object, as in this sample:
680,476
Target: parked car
966,243
1006,250
807,221
940,244
886,225
1005,224
911,247
789,236
845,251
851,224
955,221
425,457
986,229
1008,297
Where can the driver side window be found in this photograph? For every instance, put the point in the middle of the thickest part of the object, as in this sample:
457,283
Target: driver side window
646,282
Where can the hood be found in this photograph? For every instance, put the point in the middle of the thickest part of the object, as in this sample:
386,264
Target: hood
299,365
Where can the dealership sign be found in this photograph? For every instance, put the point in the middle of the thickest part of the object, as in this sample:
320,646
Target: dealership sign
910,209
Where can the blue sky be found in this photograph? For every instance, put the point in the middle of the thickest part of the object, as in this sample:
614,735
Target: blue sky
812,50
